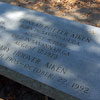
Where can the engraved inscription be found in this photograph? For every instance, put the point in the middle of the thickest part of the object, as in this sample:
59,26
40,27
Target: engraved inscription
2,23
63,82
28,67
47,53
27,57
47,42
1,55
54,32
4,48
81,88
55,68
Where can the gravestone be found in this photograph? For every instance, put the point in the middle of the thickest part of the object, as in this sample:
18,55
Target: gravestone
57,57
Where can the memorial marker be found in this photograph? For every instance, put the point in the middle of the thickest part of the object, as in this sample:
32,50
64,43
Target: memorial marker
55,56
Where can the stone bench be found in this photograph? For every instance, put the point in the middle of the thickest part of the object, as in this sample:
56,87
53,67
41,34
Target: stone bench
57,57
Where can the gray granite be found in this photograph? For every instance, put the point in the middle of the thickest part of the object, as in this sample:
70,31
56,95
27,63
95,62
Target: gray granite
52,55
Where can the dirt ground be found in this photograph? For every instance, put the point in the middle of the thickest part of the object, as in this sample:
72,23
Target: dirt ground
10,90
83,11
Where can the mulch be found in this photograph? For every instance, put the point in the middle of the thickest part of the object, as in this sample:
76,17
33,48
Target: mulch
84,11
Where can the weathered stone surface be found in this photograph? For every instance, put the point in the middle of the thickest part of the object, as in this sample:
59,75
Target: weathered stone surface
57,57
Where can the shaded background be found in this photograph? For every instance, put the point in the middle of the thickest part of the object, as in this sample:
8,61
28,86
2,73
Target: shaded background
10,90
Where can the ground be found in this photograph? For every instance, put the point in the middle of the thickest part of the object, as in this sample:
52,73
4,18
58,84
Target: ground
10,90
83,11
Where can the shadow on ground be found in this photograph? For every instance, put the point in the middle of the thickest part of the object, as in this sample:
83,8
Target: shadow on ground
84,11
10,90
